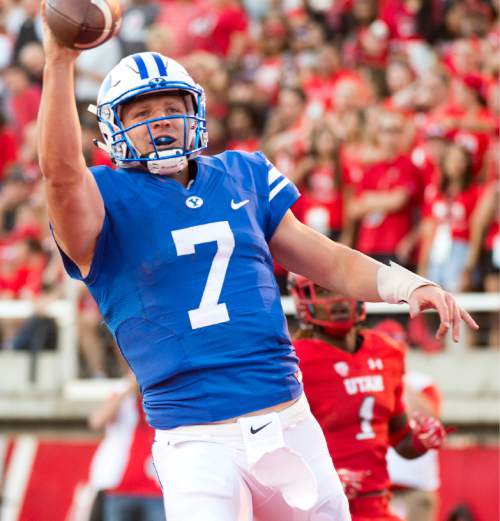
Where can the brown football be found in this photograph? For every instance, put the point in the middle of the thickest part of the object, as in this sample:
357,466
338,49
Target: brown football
83,24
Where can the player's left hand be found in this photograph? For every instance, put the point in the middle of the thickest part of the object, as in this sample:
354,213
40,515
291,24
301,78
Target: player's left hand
427,432
450,313
352,481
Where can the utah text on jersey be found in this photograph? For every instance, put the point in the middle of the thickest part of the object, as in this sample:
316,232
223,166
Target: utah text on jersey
364,384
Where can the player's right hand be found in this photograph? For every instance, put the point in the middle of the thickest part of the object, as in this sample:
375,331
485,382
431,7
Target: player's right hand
427,432
352,481
53,50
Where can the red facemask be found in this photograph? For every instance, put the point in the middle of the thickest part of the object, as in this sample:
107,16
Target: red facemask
336,314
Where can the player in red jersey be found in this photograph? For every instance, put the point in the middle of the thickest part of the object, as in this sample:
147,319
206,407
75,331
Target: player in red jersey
353,381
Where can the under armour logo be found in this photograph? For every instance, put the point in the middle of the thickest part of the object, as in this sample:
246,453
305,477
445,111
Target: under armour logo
194,201
375,363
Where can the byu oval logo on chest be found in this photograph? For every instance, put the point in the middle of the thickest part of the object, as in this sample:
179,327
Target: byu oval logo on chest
194,201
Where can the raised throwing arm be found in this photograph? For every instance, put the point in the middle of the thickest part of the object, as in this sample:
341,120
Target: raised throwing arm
75,206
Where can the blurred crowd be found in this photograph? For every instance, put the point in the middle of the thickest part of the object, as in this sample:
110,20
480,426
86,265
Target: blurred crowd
384,113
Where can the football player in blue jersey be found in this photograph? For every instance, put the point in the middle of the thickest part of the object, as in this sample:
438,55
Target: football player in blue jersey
177,249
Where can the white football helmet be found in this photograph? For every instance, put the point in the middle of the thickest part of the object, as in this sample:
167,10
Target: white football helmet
139,75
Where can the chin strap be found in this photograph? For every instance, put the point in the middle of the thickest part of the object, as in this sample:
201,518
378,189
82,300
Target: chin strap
170,166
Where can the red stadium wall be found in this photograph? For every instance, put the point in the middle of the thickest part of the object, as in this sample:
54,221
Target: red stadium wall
471,476
53,470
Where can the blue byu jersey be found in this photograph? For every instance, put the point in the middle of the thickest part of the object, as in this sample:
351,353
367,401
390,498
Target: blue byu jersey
184,279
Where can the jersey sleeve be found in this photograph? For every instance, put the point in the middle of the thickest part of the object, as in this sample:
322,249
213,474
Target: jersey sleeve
73,270
281,194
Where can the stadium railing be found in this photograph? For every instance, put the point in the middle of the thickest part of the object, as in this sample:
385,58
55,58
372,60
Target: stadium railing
46,384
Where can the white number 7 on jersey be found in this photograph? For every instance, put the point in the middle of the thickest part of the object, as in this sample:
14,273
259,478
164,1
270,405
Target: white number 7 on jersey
209,312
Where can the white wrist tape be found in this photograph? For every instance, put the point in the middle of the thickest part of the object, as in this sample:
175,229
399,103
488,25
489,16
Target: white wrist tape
395,284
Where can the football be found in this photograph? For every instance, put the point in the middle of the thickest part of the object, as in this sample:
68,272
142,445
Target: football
83,24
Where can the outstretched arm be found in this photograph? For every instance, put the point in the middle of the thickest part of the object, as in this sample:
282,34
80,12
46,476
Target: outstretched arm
334,266
75,205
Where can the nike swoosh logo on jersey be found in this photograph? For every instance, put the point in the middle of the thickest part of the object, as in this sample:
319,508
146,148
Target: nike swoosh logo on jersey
237,206
255,431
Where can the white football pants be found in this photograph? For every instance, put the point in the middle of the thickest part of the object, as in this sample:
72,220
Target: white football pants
271,467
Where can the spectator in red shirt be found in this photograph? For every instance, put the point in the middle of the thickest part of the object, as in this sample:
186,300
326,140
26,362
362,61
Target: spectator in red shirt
8,146
321,85
22,264
306,38
271,58
383,198
485,237
32,59
24,277
22,101
485,240
472,122
432,99
369,46
221,29
427,157
242,126
464,57
346,17
210,71
468,95
446,226
28,154
287,133
408,19
178,20
14,192
402,86
320,206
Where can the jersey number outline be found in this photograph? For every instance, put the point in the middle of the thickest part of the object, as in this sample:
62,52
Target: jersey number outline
365,418
210,311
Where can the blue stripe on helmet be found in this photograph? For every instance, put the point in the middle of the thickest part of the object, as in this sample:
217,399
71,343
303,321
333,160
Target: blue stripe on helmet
161,66
143,70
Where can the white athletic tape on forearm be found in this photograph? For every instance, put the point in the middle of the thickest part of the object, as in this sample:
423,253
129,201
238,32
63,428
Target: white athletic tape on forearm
395,284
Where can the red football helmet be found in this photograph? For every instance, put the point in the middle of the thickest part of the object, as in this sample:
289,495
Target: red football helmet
317,306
